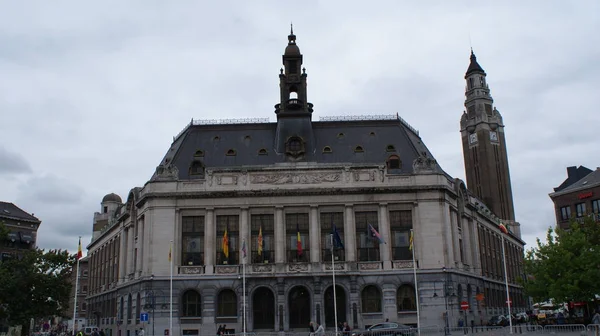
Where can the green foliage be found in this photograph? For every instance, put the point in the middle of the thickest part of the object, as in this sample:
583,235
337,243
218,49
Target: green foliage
35,284
566,267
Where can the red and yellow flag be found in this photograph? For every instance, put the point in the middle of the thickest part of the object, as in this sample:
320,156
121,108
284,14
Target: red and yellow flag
298,241
260,241
79,251
225,244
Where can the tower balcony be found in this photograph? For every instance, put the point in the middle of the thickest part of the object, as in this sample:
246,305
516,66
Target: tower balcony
293,104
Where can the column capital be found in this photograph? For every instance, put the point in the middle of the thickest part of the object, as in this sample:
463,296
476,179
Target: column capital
314,206
349,205
383,204
279,207
244,207
210,209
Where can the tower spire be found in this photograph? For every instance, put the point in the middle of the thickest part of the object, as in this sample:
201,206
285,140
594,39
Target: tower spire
484,145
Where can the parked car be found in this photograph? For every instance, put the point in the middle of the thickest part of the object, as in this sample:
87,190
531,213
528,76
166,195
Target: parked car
388,329
498,320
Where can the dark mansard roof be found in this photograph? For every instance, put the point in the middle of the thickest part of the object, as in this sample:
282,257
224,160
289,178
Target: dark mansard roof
337,141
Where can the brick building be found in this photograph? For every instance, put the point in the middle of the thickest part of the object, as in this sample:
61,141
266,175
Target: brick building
577,196
22,229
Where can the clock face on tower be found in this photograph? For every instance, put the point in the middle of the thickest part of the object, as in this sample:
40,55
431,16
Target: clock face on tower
493,136
473,138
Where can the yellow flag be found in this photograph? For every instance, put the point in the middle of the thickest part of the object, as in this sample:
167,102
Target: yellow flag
169,252
410,244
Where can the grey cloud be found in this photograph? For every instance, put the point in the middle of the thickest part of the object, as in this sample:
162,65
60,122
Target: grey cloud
95,92
52,190
12,163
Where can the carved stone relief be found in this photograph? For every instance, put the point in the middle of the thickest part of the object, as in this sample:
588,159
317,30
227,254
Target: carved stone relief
338,267
364,175
209,177
424,165
402,264
289,178
166,173
226,179
298,267
266,268
226,269
367,266
191,270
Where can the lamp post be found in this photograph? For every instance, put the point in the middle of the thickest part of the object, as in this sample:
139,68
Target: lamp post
447,293
153,300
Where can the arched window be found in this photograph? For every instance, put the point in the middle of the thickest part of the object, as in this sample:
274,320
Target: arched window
293,95
405,298
295,144
199,153
197,168
358,149
190,304
138,307
390,148
129,307
227,304
341,135
371,299
263,151
231,152
394,162
327,149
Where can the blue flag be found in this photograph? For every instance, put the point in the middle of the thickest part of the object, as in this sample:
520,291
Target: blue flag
337,240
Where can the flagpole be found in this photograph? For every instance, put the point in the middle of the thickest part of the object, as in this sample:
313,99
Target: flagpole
171,289
244,284
334,296
412,247
76,290
506,284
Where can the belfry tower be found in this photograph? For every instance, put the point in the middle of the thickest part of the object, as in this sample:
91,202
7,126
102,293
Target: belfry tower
294,135
484,145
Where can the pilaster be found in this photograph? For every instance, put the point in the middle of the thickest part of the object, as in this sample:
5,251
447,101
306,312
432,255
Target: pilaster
384,231
210,240
349,233
279,235
315,241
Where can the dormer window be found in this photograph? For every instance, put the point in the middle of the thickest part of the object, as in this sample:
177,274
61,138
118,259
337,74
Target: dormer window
197,169
231,152
340,135
199,153
263,151
358,149
327,149
390,148
394,162
372,134
216,138
294,146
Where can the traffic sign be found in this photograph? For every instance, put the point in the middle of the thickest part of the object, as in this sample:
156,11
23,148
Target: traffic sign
464,305
144,317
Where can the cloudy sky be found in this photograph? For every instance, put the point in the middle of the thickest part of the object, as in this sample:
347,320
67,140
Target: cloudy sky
91,93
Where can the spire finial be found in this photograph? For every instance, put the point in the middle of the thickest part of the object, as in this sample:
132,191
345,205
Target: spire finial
291,28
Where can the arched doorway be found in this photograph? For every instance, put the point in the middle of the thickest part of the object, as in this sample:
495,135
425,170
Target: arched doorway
340,295
299,307
263,309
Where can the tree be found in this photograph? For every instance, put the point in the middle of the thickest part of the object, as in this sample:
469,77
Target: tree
566,267
34,284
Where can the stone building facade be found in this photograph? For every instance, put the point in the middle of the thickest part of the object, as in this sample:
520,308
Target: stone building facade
278,189
22,230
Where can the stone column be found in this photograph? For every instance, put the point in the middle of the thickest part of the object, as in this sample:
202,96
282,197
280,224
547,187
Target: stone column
140,246
384,230
122,256
130,248
210,239
349,233
280,242
245,236
315,235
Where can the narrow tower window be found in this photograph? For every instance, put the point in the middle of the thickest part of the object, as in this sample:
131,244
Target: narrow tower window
394,162
293,95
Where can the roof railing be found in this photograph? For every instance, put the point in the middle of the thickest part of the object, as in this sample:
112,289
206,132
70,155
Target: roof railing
370,117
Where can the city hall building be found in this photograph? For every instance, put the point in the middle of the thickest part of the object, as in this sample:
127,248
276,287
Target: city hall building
264,197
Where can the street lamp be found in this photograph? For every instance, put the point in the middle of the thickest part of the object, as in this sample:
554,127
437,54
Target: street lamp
447,292
153,301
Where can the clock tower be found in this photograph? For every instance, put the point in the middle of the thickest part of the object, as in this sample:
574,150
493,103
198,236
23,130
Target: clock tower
484,146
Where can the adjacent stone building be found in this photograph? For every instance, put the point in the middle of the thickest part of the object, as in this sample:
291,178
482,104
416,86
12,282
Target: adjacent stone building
261,198
578,196
22,230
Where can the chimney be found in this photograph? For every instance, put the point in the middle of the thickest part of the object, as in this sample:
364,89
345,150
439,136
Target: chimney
571,171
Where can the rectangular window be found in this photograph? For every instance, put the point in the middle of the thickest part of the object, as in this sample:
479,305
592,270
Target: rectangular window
327,219
262,228
368,246
294,223
565,213
596,206
192,240
229,223
580,209
400,226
